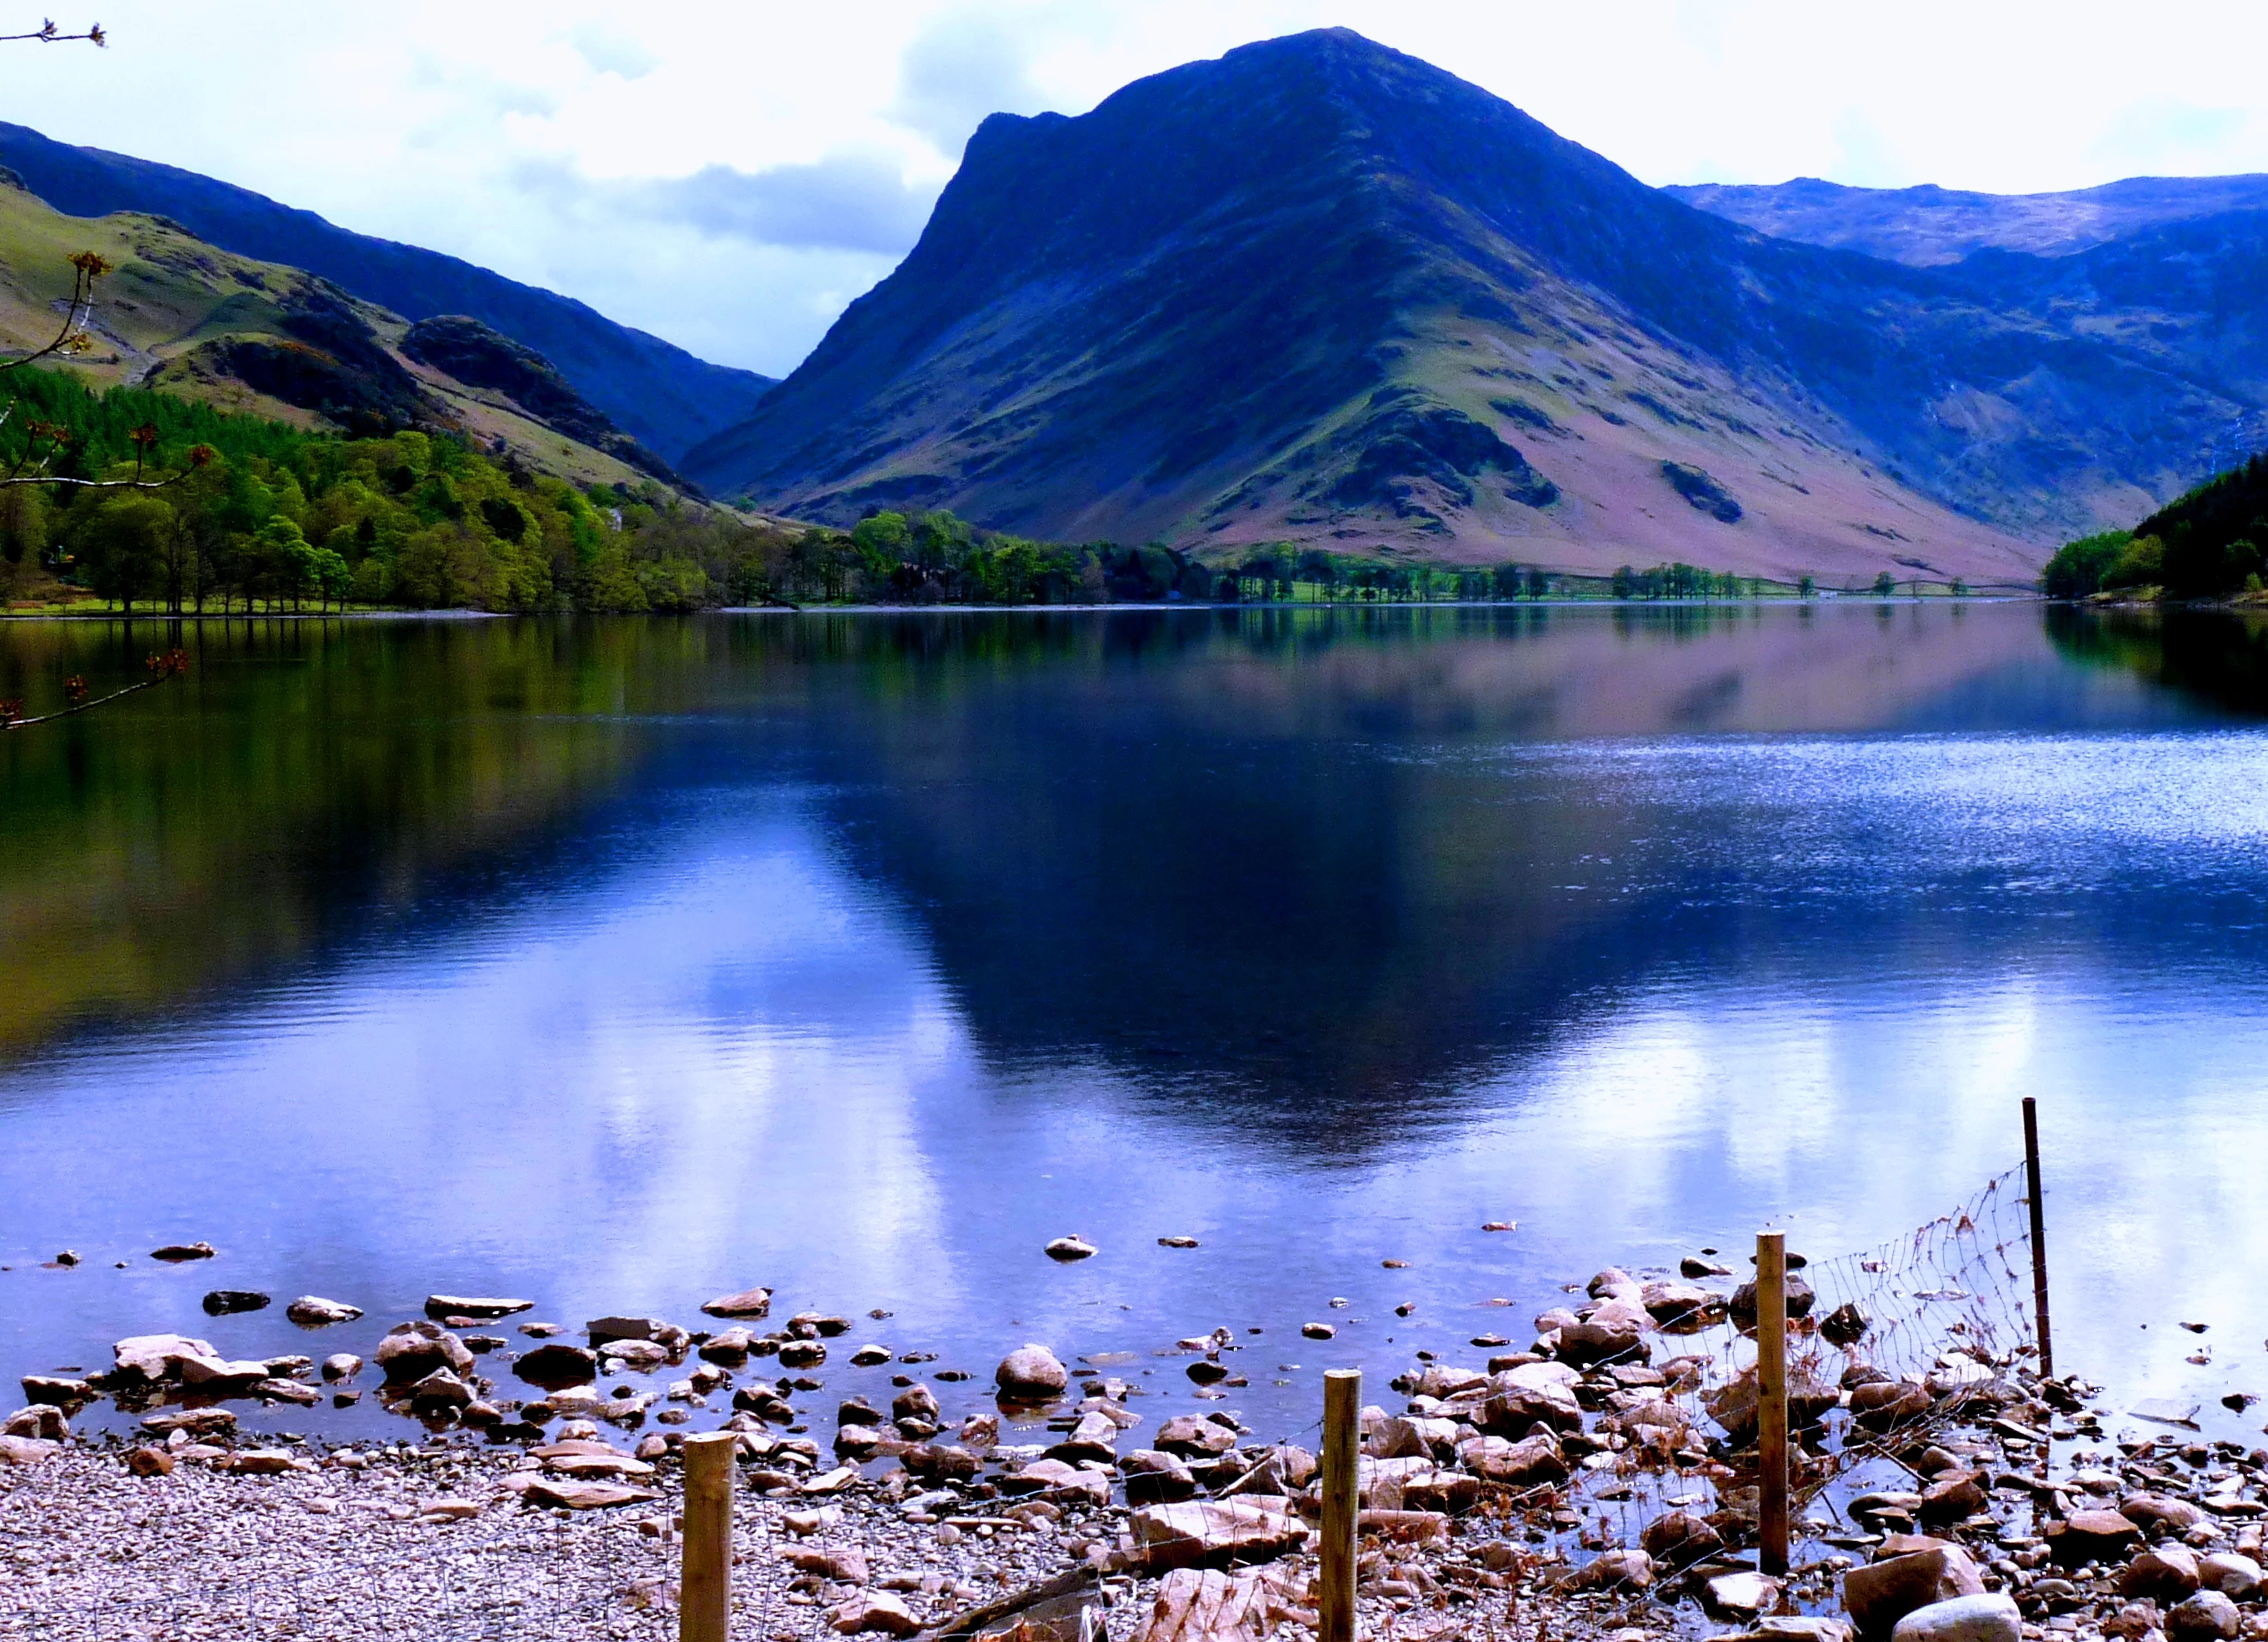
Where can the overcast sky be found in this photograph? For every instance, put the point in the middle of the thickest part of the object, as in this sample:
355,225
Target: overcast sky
730,175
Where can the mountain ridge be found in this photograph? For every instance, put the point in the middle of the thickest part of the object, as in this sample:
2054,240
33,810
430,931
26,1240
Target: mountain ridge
662,395
1317,291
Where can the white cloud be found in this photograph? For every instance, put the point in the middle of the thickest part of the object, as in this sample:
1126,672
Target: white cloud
721,174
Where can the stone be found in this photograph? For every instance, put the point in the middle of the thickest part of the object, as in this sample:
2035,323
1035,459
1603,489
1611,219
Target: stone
845,1565
275,1390
2086,1537
150,1461
1800,1299
154,1357
312,1311
1878,1594
916,1402
1053,1479
871,1356
566,1494
2160,1513
1318,1330
1070,1248
56,1390
196,1422
2208,1617
43,1420
1177,1242
1981,1618
802,1354
1692,1266
1739,1597
258,1462
730,1347
1156,1477
173,1254
1031,1374
25,1450
1681,1306
605,1330
219,1376
342,1365
440,1389
2165,1575
438,1307
1883,1404
1214,1532
640,1356
1846,1325
1524,1464
747,1303
1194,1437
1679,1538
873,1611
1618,1570
1951,1499
225,1302
557,1364
2231,1574
940,1462
411,1351
1515,1410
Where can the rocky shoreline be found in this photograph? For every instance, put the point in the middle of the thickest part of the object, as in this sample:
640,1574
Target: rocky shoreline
1599,1482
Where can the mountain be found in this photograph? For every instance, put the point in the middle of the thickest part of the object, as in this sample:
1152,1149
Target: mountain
660,394
1929,225
1317,291
179,314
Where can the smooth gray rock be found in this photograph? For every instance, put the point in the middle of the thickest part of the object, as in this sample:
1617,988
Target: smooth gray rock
1987,1616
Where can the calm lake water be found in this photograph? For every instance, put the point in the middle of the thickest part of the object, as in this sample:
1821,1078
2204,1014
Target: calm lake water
619,964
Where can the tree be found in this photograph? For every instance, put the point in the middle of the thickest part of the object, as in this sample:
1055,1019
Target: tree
1625,582
1885,584
122,545
1805,586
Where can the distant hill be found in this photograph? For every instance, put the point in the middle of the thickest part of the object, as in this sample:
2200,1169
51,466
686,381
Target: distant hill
1928,226
177,314
660,394
1317,291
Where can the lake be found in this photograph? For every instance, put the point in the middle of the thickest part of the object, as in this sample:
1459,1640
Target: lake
621,964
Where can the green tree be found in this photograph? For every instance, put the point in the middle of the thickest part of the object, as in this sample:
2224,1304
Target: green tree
120,546
1625,581
1885,584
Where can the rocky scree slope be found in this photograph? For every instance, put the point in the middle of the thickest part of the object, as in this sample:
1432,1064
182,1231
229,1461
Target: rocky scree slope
662,395
1322,291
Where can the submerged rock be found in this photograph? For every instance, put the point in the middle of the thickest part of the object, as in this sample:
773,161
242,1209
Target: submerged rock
223,1302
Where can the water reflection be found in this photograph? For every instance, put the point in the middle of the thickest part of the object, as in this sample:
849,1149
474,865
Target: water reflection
619,964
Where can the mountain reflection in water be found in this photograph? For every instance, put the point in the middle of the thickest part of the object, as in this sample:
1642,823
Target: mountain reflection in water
622,963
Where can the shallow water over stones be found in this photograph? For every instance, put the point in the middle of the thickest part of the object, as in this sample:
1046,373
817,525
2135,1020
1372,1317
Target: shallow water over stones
623,966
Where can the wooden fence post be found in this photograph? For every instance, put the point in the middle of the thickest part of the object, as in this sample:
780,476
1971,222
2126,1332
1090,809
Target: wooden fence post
705,1584
1772,1400
1342,1501
2039,1233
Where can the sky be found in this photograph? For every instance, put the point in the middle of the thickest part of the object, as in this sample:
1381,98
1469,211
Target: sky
731,175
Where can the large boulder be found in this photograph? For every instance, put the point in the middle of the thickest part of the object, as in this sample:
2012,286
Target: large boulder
1524,1464
1513,1410
2165,1575
1215,1532
411,1351
1878,1594
2208,1617
1979,1617
2233,1574
312,1311
154,1358
1194,1437
1800,1299
2086,1537
1679,1538
1155,1478
1031,1374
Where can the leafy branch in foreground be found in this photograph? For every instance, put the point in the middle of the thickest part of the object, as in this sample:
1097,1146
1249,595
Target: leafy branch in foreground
76,698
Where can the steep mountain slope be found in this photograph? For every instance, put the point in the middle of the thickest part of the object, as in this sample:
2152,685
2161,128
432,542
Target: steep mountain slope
1321,292
179,314
659,393
1929,225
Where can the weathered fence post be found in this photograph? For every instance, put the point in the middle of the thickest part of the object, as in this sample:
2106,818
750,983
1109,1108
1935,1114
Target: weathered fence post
2039,1232
1772,1400
1342,1500
705,1584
